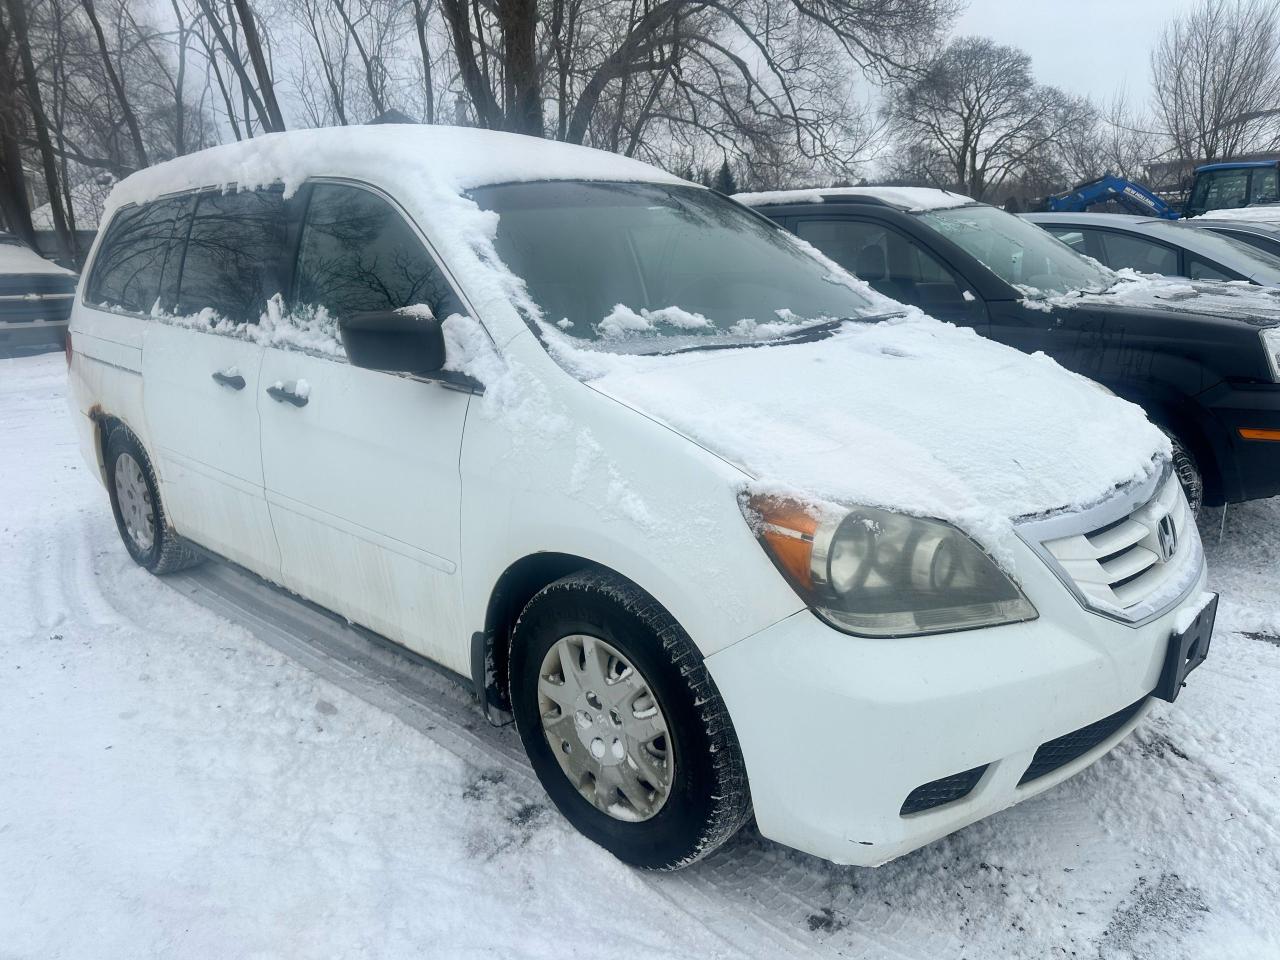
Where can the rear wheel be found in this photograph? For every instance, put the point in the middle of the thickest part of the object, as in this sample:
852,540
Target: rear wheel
139,513
623,724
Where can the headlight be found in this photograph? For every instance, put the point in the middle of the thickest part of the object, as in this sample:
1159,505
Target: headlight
880,574
1271,346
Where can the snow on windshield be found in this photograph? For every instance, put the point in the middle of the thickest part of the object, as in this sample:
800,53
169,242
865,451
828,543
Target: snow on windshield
607,262
1023,255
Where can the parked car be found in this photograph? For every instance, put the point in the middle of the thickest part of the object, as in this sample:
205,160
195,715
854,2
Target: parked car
1203,360
724,531
1166,247
35,299
1263,236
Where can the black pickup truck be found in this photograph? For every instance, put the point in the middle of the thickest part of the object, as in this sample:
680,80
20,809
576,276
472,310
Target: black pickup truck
1203,359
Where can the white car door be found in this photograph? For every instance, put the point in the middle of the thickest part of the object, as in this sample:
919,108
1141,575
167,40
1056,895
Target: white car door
201,384
360,466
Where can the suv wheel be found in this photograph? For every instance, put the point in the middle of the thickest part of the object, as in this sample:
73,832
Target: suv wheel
140,516
623,724
1189,475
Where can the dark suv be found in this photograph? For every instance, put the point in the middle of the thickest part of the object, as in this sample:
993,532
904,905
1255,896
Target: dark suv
1203,361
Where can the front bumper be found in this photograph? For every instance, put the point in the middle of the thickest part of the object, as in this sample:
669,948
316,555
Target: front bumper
837,731
1251,468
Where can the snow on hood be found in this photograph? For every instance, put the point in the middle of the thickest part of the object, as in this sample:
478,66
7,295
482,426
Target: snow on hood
1236,299
909,414
909,198
16,259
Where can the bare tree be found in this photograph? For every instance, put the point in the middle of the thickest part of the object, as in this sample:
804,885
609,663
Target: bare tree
15,207
39,119
135,131
1216,76
643,76
978,118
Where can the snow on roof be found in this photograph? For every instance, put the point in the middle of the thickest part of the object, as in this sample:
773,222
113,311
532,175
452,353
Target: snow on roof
87,198
20,259
457,158
908,198
1263,213
426,169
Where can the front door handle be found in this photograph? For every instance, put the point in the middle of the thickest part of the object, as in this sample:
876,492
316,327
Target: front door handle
295,392
229,378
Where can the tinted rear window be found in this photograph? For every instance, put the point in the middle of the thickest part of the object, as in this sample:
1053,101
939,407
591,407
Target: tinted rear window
234,254
131,260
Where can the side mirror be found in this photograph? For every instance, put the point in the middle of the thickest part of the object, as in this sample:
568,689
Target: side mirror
394,341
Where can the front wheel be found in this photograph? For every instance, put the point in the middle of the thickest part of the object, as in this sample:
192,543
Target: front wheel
623,724
1188,472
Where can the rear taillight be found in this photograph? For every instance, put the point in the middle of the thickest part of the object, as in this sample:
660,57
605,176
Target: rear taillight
67,348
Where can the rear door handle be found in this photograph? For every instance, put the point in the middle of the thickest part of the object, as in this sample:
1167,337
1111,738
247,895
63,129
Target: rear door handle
229,378
295,392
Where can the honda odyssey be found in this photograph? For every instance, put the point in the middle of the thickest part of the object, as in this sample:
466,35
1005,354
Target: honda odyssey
723,530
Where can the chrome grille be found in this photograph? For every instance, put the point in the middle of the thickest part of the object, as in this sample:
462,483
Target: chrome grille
1129,558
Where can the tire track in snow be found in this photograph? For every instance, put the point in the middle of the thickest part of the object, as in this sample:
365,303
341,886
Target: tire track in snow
757,897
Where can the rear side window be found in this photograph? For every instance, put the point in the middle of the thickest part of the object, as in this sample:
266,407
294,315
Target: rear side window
1123,250
1264,186
1199,269
887,260
1071,236
130,262
234,254
358,255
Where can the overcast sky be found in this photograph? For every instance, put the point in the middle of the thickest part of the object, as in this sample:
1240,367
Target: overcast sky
1082,46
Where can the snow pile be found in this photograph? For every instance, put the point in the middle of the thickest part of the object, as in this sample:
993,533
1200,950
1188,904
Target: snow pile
1237,299
908,414
909,198
622,321
305,328
18,259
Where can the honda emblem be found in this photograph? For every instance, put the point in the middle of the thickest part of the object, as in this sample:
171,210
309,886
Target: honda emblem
1167,538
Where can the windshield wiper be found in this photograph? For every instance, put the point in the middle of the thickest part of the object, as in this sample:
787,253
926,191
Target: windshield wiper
807,334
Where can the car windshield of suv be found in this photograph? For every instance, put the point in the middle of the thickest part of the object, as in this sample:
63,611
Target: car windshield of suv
1018,252
645,267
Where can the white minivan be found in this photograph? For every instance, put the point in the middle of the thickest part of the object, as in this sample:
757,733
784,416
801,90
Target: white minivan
725,532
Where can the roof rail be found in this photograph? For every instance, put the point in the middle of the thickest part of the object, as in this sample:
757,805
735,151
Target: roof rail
856,198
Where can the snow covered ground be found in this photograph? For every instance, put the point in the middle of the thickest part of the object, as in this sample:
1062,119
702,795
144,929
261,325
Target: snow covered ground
200,767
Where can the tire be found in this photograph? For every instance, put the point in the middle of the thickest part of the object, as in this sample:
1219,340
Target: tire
1188,473
706,799
139,512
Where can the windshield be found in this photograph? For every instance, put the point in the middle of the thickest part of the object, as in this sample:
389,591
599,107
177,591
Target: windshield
1236,254
645,267
1019,252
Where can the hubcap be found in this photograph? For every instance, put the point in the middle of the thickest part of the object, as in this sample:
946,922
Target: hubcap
136,509
605,728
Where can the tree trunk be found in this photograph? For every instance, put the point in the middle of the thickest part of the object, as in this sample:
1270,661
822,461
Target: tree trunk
254,45
40,121
420,12
15,208
523,86
131,121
